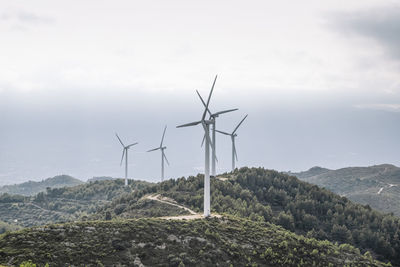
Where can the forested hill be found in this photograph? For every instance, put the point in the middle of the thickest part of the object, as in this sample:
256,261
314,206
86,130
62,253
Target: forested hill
226,241
253,193
31,188
377,186
63,204
265,195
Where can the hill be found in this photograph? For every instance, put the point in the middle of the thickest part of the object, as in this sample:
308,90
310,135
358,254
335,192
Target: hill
225,241
63,204
377,186
269,196
252,193
31,188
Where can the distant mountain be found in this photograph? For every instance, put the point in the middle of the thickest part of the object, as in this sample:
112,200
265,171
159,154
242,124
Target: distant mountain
225,241
311,172
31,188
377,186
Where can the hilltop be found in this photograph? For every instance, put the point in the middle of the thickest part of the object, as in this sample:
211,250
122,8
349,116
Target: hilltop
31,188
377,186
222,241
265,195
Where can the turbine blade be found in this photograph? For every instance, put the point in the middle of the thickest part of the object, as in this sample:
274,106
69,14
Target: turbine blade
123,154
223,132
206,134
162,139
132,145
202,101
153,149
224,111
239,124
188,124
209,97
120,140
165,157
202,142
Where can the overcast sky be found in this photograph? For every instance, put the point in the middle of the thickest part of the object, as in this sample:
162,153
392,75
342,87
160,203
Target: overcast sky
321,84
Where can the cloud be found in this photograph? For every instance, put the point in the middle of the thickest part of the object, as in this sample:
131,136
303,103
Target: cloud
382,107
22,18
381,25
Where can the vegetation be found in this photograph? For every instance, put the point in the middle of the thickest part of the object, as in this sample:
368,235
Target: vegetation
63,204
252,193
377,186
223,241
264,195
6,227
31,188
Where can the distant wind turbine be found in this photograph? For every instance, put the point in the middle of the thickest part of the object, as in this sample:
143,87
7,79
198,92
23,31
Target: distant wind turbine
206,126
213,119
125,153
233,135
162,148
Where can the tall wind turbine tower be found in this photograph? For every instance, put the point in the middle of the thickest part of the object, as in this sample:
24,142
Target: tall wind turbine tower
162,148
125,153
233,135
213,119
206,126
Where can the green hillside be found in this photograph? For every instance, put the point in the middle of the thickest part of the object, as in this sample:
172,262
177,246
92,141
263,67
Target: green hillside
225,241
31,188
265,195
377,186
250,193
63,204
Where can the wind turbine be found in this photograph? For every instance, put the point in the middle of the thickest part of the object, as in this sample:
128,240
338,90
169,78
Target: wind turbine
213,119
162,148
233,135
206,126
125,153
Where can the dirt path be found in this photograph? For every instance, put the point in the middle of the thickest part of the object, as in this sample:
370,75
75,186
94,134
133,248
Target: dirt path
189,217
389,186
169,201
193,215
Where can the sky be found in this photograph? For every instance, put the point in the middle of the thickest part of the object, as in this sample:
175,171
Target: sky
320,82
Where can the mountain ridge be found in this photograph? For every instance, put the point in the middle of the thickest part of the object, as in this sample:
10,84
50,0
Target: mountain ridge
377,185
30,188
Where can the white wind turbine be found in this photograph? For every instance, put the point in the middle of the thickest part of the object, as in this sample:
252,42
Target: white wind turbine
162,148
125,153
206,126
233,135
213,119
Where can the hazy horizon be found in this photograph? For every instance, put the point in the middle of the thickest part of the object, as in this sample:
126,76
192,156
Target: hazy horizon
320,83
